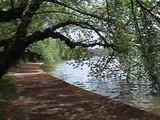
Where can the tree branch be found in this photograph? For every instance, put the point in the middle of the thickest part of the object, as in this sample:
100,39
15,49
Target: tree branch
27,18
11,14
12,4
79,11
5,42
149,11
81,24
54,11
94,44
37,36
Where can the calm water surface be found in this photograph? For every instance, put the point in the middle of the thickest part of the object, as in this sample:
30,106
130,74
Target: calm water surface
136,94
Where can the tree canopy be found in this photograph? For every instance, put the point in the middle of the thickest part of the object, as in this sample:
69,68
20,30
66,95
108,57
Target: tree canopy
130,28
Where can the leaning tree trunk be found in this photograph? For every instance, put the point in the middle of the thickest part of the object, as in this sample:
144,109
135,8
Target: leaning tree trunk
11,56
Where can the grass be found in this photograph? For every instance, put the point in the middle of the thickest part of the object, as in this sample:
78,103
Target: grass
2,111
7,87
7,92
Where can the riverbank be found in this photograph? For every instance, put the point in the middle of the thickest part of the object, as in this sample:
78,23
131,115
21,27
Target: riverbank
41,96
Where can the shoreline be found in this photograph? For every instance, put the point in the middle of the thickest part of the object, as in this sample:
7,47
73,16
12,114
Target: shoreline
41,96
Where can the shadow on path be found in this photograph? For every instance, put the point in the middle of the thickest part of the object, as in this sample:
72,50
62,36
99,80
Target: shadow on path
41,96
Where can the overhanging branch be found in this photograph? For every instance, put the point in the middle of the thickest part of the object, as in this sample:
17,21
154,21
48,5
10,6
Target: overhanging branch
83,25
79,11
38,36
49,32
148,10
11,14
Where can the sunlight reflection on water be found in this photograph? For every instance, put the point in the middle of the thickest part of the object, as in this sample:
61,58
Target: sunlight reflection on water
135,94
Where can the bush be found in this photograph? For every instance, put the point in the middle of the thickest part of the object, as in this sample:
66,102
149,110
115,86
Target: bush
7,87
53,51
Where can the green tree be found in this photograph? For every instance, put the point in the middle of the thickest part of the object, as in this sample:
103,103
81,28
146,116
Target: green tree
129,27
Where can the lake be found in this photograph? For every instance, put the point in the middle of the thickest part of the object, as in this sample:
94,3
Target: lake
136,94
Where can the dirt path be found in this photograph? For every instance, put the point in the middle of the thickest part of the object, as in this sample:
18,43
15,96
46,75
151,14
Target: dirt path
43,97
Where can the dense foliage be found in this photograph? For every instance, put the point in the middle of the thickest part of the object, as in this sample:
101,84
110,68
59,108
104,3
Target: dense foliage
52,51
128,28
7,88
